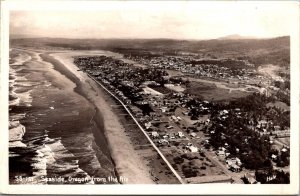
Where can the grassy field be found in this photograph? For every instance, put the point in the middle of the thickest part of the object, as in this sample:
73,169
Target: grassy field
280,105
196,162
162,89
285,140
210,92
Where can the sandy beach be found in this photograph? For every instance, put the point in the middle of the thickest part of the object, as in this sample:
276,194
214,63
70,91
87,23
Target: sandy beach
128,162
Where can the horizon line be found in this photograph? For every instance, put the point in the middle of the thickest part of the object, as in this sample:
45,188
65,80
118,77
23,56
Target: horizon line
226,37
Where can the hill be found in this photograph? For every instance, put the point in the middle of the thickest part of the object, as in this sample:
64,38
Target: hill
236,37
257,51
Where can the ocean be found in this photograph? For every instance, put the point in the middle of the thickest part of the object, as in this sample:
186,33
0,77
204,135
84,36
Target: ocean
53,136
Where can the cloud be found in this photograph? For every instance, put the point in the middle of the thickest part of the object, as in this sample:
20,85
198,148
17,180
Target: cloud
151,19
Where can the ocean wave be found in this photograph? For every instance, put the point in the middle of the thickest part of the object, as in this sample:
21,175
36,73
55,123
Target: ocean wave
14,117
19,93
16,144
49,158
41,156
25,97
16,133
14,102
14,124
21,58
53,159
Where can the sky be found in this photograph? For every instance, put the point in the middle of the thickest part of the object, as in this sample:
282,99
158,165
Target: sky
152,19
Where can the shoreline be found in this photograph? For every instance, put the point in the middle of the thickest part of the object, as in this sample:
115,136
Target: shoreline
97,117
51,149
127,162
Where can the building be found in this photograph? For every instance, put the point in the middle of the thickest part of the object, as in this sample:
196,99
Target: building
284,149
163,109
148,125
154,134
235,168
180,134
193,148
274,157
174,118
207,121
193,134
221,153
234,164
163,142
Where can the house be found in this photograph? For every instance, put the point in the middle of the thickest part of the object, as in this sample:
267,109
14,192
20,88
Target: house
235,168
262,124
172,136
224,112
193,149
148,125
180,134
193,134
174,118
276,128
234,161
207,121
154,134
185,113
238,161
273,157
222,149
163,142
221,153
163,109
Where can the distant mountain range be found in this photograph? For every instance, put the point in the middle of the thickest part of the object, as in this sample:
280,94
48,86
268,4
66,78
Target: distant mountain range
257,51
20,36
236,37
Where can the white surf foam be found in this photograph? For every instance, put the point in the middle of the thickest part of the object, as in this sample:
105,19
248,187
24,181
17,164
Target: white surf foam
48,161
17,130
21,58
51,156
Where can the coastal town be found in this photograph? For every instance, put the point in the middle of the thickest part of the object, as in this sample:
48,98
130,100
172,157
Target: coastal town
150,97
239,138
